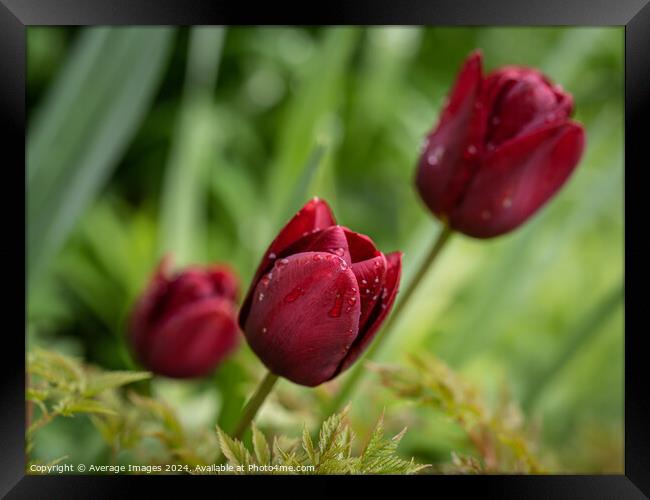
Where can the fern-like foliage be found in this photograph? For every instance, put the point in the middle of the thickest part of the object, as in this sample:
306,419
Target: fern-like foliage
497,434
332,453
62,386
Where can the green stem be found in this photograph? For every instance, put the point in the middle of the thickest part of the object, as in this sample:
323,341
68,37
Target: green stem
357,372
253,405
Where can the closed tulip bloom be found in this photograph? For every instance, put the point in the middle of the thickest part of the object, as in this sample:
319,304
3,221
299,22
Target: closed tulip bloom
318,297
503,147
183,325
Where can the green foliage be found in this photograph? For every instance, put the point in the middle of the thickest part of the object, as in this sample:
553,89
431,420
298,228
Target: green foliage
62,386
113,74
332,454
497,435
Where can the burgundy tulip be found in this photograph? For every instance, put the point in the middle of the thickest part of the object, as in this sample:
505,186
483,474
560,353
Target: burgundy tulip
183,325
503,147
318,297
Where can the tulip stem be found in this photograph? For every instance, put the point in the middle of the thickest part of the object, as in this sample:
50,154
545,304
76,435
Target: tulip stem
356,373
254,403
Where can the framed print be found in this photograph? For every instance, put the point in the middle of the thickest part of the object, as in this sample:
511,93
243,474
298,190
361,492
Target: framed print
361,240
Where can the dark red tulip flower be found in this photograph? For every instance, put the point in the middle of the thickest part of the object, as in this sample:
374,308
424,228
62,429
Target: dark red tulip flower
318,297
183,325
503,147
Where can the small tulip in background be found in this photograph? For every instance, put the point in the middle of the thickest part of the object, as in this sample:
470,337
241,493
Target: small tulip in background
503,147
318,297
183,325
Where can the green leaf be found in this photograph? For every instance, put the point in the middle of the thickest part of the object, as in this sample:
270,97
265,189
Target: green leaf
83,128
110,380
68,409
261,446
193,154
308,446
234,450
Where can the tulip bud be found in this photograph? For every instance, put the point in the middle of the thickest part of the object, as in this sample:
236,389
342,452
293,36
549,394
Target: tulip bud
318,297
184,325
503,147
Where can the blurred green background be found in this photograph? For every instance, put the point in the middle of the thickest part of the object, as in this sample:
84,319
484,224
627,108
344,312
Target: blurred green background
203,142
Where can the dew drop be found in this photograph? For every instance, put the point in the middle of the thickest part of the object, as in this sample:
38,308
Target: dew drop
374,297
485,214
265,281
344,265
496,120
335,311
260,297
317,258
352,301
425,144
281,263
368,291
436,155
272,256
353,290
478,104
293,295
471,149
364,282
264,330
550,117
338,251
507,202
377,279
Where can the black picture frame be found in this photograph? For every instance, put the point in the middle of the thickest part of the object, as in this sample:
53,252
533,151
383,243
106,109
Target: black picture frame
634,15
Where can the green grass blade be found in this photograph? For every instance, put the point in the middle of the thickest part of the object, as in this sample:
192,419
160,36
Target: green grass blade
182,220
82,134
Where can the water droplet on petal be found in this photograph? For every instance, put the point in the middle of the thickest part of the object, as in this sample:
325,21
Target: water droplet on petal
364,282
335,312
368,291
507,202
261,297
485,214
264,330
294,294
281,263
352,300
436,155
478,104
496,120
272,256
317,258
471,150
550,117
377,279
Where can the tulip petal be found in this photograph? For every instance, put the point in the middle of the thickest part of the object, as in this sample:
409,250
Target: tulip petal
304,318
332,239
148,307
192,341
315,215
381,310
517,179
447,161
223,281
370,276
361,246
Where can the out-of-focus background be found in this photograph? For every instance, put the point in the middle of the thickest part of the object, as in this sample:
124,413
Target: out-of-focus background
203,141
